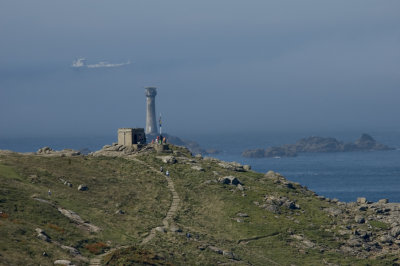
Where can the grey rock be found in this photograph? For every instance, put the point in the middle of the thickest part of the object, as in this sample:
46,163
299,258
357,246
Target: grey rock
120,212
240,187
395,231
228,254
168,159
229,180
62,262
359,219
161,229
233,166
71,250
247,167
198,168
362,200
354,242
215,249
383,201
175,229
333,211
386,239
82,187
41,234
242,214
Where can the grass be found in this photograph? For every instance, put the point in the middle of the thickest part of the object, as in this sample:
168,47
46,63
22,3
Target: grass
207,211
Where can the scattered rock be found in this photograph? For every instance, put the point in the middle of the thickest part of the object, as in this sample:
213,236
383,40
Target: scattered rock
362,200
240,187
359,219
41,234
229,180
198,168
78,220
386,239
62,262
168,159
120,212
161,229
242,214
215,249
175,229
233,166
333,211
83,187
247,167
44,150
383,201
395,231
47,151
71,250
279,202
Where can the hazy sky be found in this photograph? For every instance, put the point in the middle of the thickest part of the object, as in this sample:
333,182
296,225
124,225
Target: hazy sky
221,65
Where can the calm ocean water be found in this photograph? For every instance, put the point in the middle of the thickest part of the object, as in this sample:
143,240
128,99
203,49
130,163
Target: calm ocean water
345,176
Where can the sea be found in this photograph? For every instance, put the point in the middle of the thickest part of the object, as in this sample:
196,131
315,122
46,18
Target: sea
345,176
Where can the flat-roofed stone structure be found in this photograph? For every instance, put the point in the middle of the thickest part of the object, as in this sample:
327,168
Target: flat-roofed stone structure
131,136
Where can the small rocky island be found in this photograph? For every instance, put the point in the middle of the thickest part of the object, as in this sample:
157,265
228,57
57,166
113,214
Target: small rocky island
318,144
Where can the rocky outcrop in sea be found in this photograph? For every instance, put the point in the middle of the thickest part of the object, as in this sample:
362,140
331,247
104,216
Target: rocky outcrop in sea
318,144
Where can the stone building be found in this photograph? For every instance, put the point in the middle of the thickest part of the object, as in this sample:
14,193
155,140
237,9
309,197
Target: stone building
131,136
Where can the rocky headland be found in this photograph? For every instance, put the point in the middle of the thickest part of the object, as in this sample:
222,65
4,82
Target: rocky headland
117,206
318,144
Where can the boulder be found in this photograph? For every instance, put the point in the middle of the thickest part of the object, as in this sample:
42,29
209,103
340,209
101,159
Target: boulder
215,249
240,187
62,262
44,150
71,250
233,166
333,211
386,239
175,229
41,234
161,229
168,159
395,231
362,200
198,168
247,167
359,219
83,187
229,180
383,201
119,212
112,148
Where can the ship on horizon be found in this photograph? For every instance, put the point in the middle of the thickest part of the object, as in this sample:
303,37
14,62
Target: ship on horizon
81,63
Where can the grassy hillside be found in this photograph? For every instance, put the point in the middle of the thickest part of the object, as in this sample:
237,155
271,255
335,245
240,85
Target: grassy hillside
128,198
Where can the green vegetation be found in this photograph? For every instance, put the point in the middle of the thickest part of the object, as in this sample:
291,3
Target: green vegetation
379,225
127,199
